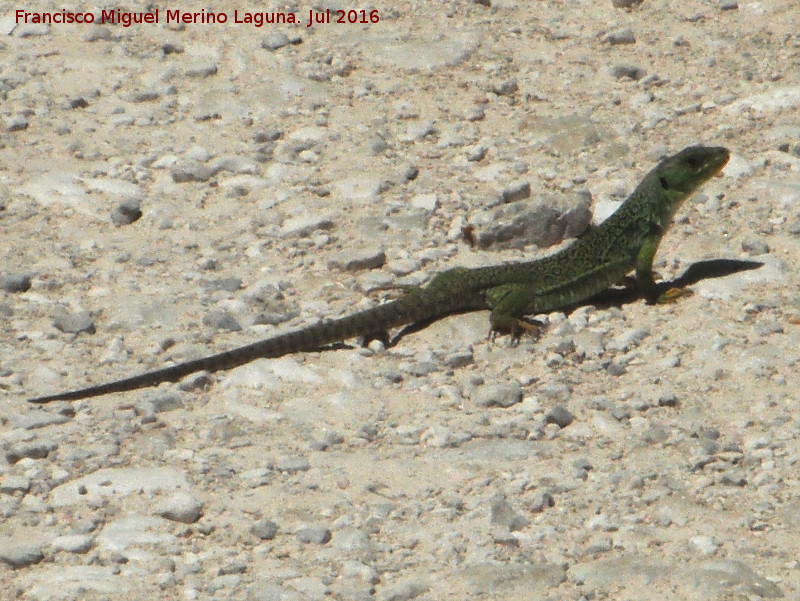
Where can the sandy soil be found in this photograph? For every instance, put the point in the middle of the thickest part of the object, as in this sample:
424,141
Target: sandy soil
172,190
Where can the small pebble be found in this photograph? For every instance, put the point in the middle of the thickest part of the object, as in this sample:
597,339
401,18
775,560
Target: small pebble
314,534
754,246
599,544
668,399
705,544
31,450
516,191
291,464
476,153
278,39
201,69
222,320
32,30
622,36
404,591
78,102
95,33
180,507
126,212
506,88
628,72
74,323
20,555
16,123
14,484
191,171
15,282
265,529
498,395
502,514
358,261
72,543
560,416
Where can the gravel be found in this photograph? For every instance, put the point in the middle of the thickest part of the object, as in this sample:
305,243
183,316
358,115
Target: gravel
176,190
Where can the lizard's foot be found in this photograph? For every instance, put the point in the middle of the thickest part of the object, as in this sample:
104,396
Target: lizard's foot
632,283
495,332
673,294
532,328
382,337
516,330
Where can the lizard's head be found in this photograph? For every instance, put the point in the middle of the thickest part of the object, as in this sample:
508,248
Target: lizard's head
675,178
680,174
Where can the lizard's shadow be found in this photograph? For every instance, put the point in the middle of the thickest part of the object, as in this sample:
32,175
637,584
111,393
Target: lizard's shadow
615,297
696,272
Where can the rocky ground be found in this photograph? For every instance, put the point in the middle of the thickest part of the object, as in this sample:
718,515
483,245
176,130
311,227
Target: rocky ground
173,190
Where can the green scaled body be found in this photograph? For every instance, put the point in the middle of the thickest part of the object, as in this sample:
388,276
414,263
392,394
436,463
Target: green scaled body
627,241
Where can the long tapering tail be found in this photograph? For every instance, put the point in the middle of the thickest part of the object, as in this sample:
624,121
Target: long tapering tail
411,308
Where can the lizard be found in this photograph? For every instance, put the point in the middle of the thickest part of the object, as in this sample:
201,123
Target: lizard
625,242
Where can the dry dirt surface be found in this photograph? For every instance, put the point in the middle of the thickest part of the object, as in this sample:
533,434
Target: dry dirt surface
172,189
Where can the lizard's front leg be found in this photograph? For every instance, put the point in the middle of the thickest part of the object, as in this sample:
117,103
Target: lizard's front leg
644,276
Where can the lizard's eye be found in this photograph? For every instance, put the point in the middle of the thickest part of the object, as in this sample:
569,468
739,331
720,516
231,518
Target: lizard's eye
693,162
664,182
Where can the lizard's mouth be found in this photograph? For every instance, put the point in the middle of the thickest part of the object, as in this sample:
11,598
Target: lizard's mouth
723,160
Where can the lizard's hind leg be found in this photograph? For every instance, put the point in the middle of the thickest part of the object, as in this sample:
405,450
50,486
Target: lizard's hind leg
508,303
446,280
